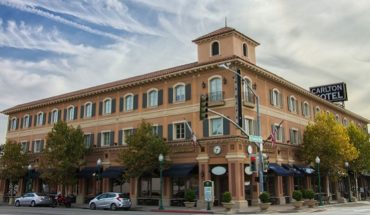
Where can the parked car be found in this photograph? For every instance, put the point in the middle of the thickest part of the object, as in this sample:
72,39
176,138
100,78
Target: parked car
33,199
111,200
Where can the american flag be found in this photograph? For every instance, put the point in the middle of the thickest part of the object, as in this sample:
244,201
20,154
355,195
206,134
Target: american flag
272,136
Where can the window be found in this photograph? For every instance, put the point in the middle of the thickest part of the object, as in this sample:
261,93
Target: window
26,121
179,130
129,106
248,94
294,136
216,126
317,109
345,121
13,124
70,113
249,126
179,93
106,138
38,146
275,98
54,116
215,89
215,48
305,109
337,118
278,132
155,129
88,140
40,119
126,134
24,146
245,50
292,104
107,108
88,110
153,98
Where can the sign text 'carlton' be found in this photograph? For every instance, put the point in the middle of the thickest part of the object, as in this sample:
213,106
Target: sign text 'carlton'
333,92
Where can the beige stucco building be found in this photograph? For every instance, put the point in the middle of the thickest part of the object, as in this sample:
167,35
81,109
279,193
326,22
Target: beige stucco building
168,98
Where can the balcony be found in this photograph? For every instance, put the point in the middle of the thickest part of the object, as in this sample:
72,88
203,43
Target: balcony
216,98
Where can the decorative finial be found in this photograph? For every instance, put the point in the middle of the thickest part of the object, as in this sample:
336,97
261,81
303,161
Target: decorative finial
225,21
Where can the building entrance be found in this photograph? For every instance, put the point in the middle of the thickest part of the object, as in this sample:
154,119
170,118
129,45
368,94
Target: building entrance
221,184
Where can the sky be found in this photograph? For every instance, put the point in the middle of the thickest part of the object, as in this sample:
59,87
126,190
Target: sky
49,48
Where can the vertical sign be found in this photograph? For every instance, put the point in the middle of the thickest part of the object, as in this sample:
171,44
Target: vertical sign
208,191
238,99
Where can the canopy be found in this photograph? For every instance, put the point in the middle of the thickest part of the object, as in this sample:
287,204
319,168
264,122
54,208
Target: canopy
179,170
113,172
304,169
292,170
86,172
278,169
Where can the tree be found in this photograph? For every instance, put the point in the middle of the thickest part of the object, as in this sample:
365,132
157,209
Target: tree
13,164
329,140
64,155
141,155
360,140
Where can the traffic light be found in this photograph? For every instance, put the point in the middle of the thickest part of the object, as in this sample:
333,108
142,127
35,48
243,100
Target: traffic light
253,164
203,110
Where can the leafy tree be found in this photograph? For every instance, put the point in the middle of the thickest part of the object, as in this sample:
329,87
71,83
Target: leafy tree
13,163
329,140
64,155
359,139
141,155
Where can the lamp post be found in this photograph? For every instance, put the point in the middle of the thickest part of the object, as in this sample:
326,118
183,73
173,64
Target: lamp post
259,145
346,164
317,160
98,167
29,183
160,159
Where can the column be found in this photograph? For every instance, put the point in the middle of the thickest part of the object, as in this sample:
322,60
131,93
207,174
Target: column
166,192
204,174
279,189
255,189
133,191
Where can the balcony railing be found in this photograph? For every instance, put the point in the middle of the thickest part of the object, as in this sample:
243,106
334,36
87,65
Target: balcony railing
216,98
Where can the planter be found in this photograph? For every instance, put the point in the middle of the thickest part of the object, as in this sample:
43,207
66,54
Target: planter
298,204
264,206
189,204
228,205
310,203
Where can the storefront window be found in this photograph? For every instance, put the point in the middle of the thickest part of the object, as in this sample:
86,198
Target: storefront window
149,187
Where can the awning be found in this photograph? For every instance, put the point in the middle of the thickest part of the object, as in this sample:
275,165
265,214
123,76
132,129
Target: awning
113,172
304,169
34,174
179,170
292,170
86,172
278,169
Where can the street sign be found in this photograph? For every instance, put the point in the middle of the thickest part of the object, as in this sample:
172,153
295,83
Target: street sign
208,191
256,139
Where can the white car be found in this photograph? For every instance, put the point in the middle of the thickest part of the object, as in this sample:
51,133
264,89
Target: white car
33,199
110,200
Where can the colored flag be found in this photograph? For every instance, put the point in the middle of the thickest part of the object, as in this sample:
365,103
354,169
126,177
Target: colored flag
272,136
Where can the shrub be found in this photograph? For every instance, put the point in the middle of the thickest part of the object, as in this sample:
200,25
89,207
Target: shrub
189,195
264,197
309,194
297,195
226,197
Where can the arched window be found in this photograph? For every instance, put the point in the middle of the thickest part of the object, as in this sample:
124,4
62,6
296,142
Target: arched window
180,93
40,119
345,121
292,106
248,94
88,110
70,113
129,102
305,109
54,116
275,98
245,50
215,48
13,123
26,121
317,109
153,98
337,118
107,108
215,89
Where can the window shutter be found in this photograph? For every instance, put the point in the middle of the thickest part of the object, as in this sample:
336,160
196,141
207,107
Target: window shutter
281,103
299,137
65,115
205,127
289,104
144,100
160,130
226,126
282,135
136,102
99,140
9,123
32,146
296,104
93,109
17,124
121,104
92,140
34,121
111,138
170,135
309,109
27,147
271,98
59,115
160,97
30,121
42,146
120,135
100,108
188,131
291,136
44,118
170,95
21,122
75,113
188,92
113,105
82,111
49,120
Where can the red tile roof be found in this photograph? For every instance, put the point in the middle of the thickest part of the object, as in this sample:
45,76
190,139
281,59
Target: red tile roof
221,31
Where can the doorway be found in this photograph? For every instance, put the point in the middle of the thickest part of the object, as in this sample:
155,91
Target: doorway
221,183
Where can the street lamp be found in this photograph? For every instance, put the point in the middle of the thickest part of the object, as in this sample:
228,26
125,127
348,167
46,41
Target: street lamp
317,160
98,174
259,145
29,183
160,159
346,164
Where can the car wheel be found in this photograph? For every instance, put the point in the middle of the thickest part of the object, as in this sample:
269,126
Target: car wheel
33,204
113,207
92,206
17,204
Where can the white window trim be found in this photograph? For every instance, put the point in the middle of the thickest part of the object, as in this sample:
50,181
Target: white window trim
174,93
210,126
246,88
13,126
317,109
85,110
251,130
53,120
87,134
125,97
219,48
24,142
295,129
174,129
290,105
38,123
337,118
306,109
34,146
277,95
28,121
148,97
104,108
102,138
124,136
280,130
68,113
